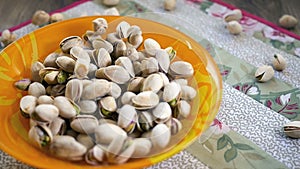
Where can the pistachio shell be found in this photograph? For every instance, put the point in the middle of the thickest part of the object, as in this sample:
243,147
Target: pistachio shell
56,17
292,129
181,69
69,42
234,27
100,25
145,100
142,147
127,118
182,109
108,103
115,91
27,105
45,99
66,63
106,132
45,112
121,29
22,84
288,21
114,73
96,89
234,15
162,112
126,63
51,77
50,60
149,66
35,69
264,73
81,69
36,89
145,121
95,155
85,124
67,147
163,60
153,82
67,108
58,126
176,126
85,140
160,136
78,52
171,52
101,43
127,97
40,136
87,106
188,93
169,5
135,84
40,18
151,46
102,58
110,2
279,62
74,89
171,92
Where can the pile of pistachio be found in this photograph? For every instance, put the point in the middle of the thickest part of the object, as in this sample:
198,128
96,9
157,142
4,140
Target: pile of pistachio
102,100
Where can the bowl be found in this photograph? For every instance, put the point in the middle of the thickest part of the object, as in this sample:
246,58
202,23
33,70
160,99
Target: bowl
16,60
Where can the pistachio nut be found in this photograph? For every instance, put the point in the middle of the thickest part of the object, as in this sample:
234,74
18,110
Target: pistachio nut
110,2
288,21
69,42
96,89
87,106
279,62
40,136
36,89
58,126
8,37
67,108
45,113
264,73
35,69
142,147
127,118
106,132
84,124
67,147
74,89
181,69
95,155
22,84
100,25
56,17
85,140
151,46
234,15
145,121
27,105
115,91
135,84
169,5
171,52
153,82
160,136
127,97
45,99
50,60
145,100
66,63
162,112
234,27
40,18
292,129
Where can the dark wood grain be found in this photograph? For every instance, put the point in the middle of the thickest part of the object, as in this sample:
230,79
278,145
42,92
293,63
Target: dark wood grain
14,12
270,10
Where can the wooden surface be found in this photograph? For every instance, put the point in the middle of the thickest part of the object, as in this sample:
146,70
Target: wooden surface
14,12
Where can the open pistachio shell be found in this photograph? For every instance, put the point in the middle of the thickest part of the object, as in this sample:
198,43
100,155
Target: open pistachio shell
40,136
27,105
106,132
45,113
66,63
67,108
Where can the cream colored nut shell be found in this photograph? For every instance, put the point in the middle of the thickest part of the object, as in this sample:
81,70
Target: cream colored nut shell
169,5
288,21
279,62
110,2
234,27
234,15
266,72
40,18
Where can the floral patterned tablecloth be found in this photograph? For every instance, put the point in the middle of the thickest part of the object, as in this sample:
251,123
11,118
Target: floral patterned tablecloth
247,132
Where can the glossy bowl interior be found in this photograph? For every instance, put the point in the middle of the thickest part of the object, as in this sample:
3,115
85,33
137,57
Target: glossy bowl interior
16,60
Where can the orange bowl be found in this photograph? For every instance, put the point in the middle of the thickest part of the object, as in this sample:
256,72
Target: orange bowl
16,60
